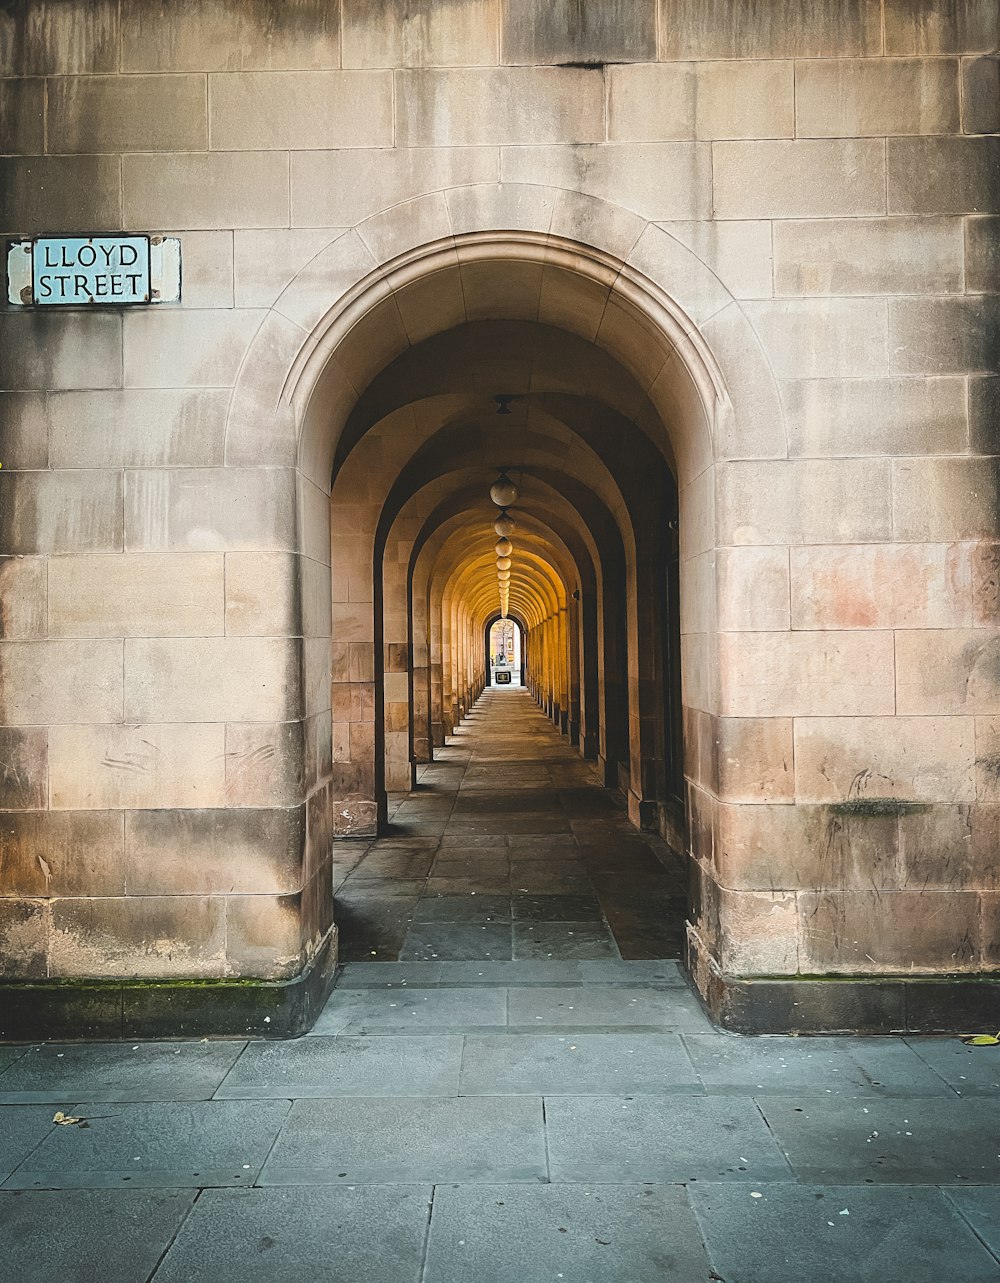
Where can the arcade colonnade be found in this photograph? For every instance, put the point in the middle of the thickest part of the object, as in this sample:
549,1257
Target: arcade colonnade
647,441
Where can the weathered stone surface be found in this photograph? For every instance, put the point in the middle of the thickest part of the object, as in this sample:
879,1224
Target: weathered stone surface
755,759
658,102
203,509
126,113
178,935
986,584
24,936
739,253
988,759
508,105
105,767
265,763
984,414
264,111
759,933
945,336
22,116
53,512
264,935
24,769
912,759
857,98
714,29
945,499
561,31
981,95
51,39
175,349
24,439
822,338
943,175
419,33
846,932
263,594
882,586
926,26
89,194
752,588
246,850
627,174
51,682
875,416
834,674
153,427
868,256
799,179
55,853
136,595
50,351
804,501
215,35
950,848
23,593
211,679
982,255
945,672
215,189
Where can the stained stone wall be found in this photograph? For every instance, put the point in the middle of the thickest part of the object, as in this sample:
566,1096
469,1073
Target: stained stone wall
833,169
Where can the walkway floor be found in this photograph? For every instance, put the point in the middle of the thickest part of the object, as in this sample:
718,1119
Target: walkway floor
502,1121
508,849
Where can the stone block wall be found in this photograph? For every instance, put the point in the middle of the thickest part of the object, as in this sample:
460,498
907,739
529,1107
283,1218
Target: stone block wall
165,597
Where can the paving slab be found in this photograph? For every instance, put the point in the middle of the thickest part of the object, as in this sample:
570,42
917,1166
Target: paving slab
556,908
969,1071
354,1142
412,1010
77,1236
368,975
178,1145
576,1064
474,907
785,1233
370,1234
498,1233
456,941
22,1129
825,1066
10,1054
932,1141
660,1138
346,1066
563,940
980,1206
606,1007
154,1071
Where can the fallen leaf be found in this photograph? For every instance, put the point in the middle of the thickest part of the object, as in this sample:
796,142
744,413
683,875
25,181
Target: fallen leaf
65,1120
982,1040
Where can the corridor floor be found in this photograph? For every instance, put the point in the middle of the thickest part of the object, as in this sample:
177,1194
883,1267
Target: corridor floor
550,1113
509,849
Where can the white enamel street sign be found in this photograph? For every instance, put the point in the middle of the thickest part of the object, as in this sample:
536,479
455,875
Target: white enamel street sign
89,271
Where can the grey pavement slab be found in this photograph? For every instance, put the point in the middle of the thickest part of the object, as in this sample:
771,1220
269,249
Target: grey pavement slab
837,1234
456,941
606,1007
980,1206
660,1138
575,1064
119,1071
529,822
10,1054
371,1234
22,1129
612,971
825,1066
181,1144
405,1141
541,878
412,1010
498,1233
563,940
377,975
346,1066
486,882
78,1236
931,1141
970,1071
556,908
474,907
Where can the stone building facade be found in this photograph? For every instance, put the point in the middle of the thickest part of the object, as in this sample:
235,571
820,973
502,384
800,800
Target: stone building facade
734,267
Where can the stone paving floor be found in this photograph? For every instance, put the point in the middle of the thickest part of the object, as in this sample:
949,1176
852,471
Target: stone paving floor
520,1118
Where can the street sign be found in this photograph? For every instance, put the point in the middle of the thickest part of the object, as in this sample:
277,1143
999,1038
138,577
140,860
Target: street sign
93,271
